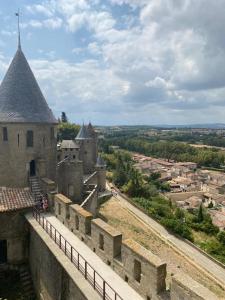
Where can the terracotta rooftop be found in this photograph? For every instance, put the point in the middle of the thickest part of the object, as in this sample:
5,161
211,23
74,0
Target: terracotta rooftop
15,198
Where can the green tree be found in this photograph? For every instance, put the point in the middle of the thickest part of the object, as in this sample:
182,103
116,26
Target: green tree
67,131
221,237
200,214
64,118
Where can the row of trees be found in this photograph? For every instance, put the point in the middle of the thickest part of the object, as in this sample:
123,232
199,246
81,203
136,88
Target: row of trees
170,150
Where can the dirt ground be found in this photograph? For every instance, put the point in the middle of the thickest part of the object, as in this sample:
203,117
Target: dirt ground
123,220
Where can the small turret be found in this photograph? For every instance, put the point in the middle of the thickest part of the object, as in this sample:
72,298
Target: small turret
101,169
87,141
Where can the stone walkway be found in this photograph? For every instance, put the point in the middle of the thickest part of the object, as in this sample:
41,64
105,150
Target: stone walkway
114,280
193,254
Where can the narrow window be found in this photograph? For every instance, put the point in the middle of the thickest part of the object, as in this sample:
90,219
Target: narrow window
59,208
137,270
74,156
101,241
44,141
18,140
77,222
30,138
52,134
5,134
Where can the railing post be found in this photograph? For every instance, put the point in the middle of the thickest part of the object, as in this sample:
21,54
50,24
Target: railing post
51,231
94,279
103,290
65,246
85,270
78,261
60,241
55,235
71,253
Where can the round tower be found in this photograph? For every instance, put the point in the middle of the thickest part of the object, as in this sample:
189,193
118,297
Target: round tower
101,169
27,127
87,149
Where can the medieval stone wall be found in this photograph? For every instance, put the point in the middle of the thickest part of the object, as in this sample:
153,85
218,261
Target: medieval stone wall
15,156
54,277
14,230
139,267
70,180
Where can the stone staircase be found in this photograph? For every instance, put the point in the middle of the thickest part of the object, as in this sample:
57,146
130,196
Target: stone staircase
36,188
26,282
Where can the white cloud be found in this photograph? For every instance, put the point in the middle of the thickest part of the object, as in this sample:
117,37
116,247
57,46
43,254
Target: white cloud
45,9
161,56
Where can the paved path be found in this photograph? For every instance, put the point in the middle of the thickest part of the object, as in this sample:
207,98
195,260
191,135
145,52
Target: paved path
187,250
113,279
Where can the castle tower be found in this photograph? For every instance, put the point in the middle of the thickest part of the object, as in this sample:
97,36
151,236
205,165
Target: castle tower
27,127
101,171
87,143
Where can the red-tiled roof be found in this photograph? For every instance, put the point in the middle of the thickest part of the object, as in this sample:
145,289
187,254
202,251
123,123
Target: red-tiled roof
15,199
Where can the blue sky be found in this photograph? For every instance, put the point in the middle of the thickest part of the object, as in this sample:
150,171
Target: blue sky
123,61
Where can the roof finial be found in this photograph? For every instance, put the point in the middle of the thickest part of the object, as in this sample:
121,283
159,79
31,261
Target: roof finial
18,16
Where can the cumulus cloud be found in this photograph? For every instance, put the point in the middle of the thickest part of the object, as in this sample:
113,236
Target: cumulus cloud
168,58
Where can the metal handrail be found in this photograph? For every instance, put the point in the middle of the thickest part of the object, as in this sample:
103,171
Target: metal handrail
89,273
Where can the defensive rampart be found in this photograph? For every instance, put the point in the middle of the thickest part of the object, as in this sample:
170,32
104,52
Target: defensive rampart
139,267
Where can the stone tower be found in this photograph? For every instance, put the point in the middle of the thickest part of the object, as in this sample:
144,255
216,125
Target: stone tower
101,171
27,127
88,148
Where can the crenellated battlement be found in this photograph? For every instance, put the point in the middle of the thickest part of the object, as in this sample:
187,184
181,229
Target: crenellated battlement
139,267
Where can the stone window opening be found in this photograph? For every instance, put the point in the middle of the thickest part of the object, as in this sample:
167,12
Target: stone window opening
101,241
77,222
74,156
43,141
5,134
148,298
3,251
18,140
30,138
126,278
137,270
59,208
52,133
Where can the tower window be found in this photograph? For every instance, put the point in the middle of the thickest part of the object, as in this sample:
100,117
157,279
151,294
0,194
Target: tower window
30,138
5,134
52,133
18,139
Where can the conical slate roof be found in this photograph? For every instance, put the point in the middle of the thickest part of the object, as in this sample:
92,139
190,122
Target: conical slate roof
83,133
91,130
21,100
